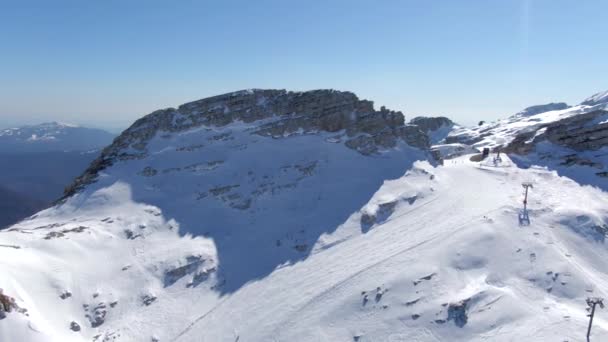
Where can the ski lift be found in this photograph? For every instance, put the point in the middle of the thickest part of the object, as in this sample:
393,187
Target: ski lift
524,218
497,158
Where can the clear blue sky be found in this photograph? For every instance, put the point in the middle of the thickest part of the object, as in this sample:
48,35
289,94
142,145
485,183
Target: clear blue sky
106,63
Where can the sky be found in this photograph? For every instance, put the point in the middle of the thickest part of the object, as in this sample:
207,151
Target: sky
105,63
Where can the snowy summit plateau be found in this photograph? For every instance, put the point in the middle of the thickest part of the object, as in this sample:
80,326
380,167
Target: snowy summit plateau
271,215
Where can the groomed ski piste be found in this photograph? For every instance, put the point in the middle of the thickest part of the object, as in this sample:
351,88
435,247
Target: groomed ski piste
437,254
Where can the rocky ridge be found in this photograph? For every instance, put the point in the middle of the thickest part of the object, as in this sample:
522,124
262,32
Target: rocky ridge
587,131
278,114
429,124
571,140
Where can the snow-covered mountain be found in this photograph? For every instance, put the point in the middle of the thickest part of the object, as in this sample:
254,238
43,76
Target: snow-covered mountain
573,141
268,215
52,136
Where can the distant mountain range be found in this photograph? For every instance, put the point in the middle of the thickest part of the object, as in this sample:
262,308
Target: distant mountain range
38,161
52,136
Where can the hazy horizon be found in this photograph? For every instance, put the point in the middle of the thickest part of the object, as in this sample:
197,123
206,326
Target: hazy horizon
118,126
105,64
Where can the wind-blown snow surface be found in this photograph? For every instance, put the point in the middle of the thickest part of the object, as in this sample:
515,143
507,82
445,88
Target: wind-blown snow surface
434,255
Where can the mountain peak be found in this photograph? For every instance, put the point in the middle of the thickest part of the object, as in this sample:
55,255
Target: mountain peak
273,113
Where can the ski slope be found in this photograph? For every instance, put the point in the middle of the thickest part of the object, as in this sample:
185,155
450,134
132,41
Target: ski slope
426,247
462,233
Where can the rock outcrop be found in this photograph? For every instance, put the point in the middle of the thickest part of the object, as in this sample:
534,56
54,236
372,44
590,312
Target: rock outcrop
278,114
457,312
430,124
581,132
8,304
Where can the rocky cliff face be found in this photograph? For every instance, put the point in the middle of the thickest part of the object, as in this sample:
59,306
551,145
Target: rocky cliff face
261,173
278,114
575,146
570,140
581,132
430,124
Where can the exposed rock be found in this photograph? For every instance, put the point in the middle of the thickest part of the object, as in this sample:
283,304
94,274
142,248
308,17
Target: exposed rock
457,312
193,263
74,326
148,171
428,277
379,293
206,166
307,169
58,234
579,132
189,148
107,336
148,299
573,159
412,302
7,304
220,190
242,204
284,113
301,247
367,220
201,277
129,234
384,211
96,314
429,124
521,144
